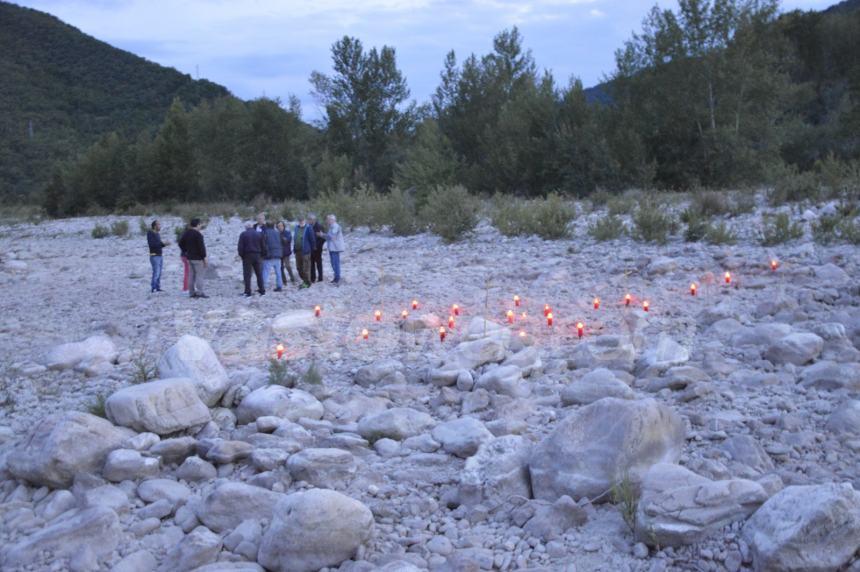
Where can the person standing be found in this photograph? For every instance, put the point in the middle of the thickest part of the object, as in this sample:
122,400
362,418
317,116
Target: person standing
303,245
186,268
272,258
334,237
192,244
252,251
261,223
316,254
156,260
287,248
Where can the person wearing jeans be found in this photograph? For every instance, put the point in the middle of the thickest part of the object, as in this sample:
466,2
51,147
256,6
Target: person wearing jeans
334,238
156,260
252,251
192,244
273,254
303,245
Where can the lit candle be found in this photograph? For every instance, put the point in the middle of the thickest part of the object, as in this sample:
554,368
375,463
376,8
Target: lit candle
378,315
450,322
524,315
774,264
522,334
456,309
546,310
510,315
404,314
365,334
442,333
414,304
279,350
627,299
728,276
549,319
693,289
646,305
596,303
317,311
580,329
517,301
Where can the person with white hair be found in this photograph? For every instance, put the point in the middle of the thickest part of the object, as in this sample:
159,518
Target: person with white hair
334,239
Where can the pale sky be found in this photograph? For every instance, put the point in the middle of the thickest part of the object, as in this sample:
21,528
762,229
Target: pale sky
270,47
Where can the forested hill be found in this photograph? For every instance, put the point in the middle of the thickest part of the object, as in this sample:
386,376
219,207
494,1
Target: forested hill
61,89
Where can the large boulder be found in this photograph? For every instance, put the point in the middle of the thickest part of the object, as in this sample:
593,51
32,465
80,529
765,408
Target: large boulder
593,386
677,506
474,354
93,529
231,503
745,457
293,320
198,548
461,437
497,472
314,529
765,334
664,354
846,418
506,380
805,528
601,444
322,467
799,348
63,445
384,371
611,352
480,328
397,423
192,357
91,355
831,376
163,406
279,401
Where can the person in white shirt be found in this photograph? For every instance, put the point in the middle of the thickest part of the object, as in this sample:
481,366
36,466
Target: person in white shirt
334,240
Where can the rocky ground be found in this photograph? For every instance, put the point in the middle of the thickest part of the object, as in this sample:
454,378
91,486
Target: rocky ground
716,431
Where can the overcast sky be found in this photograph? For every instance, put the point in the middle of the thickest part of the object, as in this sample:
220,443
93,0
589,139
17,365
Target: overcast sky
270,47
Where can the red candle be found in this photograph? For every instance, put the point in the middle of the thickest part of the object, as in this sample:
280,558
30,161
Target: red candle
627,299
774,264
693,289
546,310
414,304
317,311
646,306
365,334
517,301
378,315
522,333
728,277
404,314
510,315
456,309
279,350
580,329
596,303
549,319
441,333
450,322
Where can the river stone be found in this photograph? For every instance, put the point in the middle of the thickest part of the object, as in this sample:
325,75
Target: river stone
799,349
91,353
497,472
380,372
397,423
593,386
461,437
293,320
163,406
192,357
231,503
326,468
279,401
611,352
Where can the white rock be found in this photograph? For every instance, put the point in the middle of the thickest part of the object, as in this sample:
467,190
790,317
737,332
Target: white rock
664,354
231,503
199,547
505,379
474,354
163,406
324,468
461,437
528,360
279,401
195,469
140,561
156,489
831,275
611,352
595,385
661,265
805,528
846,418
192,357
831,376
128,464
293,320
380,372
497,472
600,444
61,446
397,423
91,353
798,349
314,529
480,328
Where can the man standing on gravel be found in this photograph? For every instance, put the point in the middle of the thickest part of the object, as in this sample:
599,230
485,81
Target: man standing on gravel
334,237
316,254
192,244
303,244
287,248
252,251
156,246
273,255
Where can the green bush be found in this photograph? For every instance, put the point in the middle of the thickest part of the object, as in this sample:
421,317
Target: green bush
511,216
720,234
97,407
742,203
551,216
826,229
312,375
794,186
279,374
397,211
178,232
780,229
119,228
849,230
143,226
653,224
697,224
609,227
619,205
451,212
100,231
710,203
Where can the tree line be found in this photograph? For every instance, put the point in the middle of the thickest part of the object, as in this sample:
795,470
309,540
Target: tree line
722,93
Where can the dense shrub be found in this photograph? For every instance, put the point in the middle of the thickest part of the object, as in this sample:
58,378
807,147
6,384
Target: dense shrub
397,211
653,224
551,217
825,229
119,228
780,229
609,227
697,224
511,216
450,212
100,231
742,202
793,186
619,205
720,234
710,203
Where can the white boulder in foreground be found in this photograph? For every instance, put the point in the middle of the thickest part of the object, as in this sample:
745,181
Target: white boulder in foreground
163,406
192,357
599,445
91,355
279,401
314,529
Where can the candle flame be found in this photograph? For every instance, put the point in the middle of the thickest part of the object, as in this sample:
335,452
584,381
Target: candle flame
365,334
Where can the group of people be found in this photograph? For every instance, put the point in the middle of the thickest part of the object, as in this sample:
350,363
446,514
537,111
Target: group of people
264,247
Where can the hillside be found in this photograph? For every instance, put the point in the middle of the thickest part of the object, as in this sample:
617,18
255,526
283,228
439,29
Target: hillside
61,89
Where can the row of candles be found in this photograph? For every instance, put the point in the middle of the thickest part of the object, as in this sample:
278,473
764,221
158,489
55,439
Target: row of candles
510,314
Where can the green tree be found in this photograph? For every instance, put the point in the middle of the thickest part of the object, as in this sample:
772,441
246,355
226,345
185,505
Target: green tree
173,166
429,162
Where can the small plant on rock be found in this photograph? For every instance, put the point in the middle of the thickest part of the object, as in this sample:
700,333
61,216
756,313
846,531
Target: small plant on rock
100,231
279,374
312,375
119,228
609,227
781,229
720,234
826,229
97,408
653,223
626,497
143,367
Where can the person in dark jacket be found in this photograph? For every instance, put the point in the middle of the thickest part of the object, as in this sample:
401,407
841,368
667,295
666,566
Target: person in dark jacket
304,243
252,250
287,248
192,244
156,260
274,253
316,253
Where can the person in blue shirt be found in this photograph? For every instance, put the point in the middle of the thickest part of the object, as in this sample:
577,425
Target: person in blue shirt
304,243
156,260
